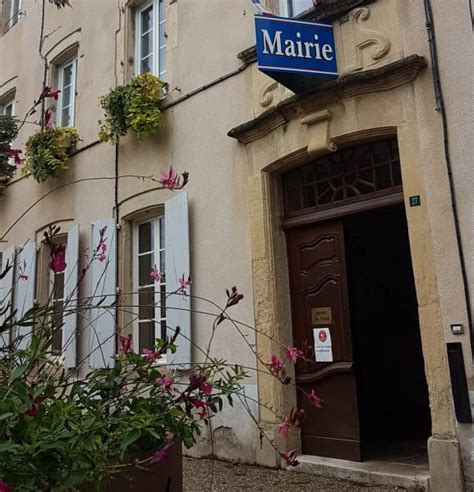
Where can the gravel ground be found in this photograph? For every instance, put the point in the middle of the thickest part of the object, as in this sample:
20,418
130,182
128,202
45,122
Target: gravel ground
203,475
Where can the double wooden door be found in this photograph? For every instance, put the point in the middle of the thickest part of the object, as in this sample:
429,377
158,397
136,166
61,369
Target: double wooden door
319,296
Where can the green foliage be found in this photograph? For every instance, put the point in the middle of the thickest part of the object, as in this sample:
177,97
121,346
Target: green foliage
61,433
133,106
8,132
47,152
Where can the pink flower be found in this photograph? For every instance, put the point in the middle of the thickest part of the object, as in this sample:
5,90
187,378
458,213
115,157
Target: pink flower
289,458
151,356
314,399
125,344
292,354
283,427
156,275
47,92
184,284
58,263
22,271
15,153
275,364
4,487
169,179
233,297
200,382
165,383
161,456
101,250
48,119
202,405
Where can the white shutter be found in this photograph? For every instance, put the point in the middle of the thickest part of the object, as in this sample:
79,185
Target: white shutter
103,292
25,278
6,291
178,312
71,277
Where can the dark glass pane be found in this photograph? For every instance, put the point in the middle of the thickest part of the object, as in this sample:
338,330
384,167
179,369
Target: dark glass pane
163,330
381,151
308,197
293,200
307,174
146,333
146,303
162,233
145,237
163,301
147,44
383,177
324,193
57,341
292,180
396,172
321,169
147,19
145,65
145,265
394,146
58,292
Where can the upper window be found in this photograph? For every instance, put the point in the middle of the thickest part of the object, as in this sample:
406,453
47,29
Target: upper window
149,282
67,96
150,41
291,8
8,108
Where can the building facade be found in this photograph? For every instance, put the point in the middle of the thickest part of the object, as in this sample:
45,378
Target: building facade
347,206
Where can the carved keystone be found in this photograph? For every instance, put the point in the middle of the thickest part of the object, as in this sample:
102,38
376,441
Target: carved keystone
318,125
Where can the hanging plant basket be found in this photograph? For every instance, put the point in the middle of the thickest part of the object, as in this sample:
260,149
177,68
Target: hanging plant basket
48,151
134,106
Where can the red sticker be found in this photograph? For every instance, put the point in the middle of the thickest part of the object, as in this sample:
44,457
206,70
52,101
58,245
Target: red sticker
323,336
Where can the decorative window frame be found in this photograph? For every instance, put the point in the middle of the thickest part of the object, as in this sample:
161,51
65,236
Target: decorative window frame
8,101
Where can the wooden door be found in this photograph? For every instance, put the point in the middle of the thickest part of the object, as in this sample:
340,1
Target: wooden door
319,299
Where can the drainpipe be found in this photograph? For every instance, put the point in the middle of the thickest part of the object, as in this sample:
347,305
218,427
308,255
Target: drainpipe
440,107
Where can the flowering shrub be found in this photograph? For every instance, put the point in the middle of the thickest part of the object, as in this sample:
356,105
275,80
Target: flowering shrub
57,432
47,152
133,106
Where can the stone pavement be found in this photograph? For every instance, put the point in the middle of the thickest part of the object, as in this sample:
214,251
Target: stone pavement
204,475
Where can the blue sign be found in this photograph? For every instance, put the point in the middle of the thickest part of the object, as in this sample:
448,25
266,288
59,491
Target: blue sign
294,46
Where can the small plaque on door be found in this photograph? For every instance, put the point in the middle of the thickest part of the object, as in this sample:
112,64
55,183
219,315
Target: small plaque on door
321,315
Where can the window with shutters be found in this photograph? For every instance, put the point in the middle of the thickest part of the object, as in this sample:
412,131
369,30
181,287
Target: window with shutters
150,38
150,290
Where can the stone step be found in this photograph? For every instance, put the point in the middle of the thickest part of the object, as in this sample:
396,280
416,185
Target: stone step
373,473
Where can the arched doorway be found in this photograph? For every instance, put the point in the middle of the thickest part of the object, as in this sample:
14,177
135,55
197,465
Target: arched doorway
354,301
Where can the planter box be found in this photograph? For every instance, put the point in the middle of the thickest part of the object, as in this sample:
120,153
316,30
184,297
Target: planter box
163,477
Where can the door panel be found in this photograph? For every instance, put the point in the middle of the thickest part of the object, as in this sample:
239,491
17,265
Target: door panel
318,280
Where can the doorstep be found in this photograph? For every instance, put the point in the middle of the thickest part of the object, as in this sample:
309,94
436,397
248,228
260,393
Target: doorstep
373,472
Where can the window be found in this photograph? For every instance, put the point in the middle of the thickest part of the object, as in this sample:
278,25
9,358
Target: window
67,85
8,108
291,8
150,295
150,41
15,12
